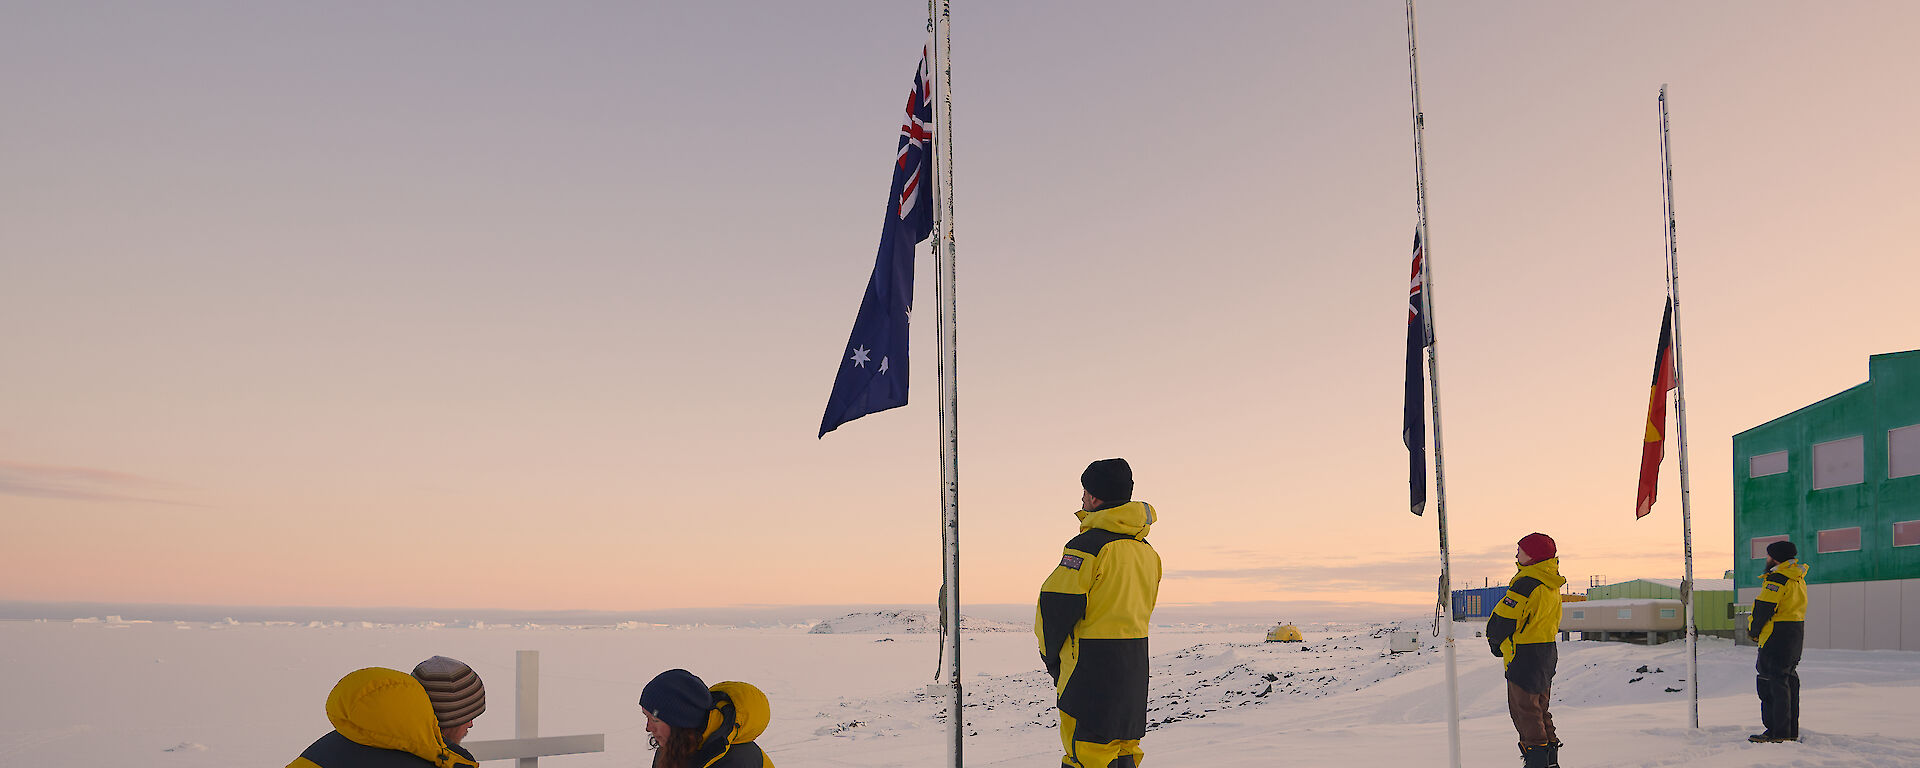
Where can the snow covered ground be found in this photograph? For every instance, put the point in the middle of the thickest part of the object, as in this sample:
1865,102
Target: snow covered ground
190,694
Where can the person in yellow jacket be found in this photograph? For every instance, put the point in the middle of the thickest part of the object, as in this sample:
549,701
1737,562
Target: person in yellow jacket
381,718
1779,623
693,725
1092,621
1522,631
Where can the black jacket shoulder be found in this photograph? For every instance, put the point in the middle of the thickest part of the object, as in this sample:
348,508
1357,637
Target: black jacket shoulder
1095,540
336,751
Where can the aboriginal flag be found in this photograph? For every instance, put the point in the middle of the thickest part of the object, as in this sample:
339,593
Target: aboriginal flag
1654,444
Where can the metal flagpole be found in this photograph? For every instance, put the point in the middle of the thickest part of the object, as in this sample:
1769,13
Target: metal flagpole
1680,410
939,18
1433,378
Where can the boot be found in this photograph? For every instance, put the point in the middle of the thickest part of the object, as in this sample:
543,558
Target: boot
1536,756
1553,754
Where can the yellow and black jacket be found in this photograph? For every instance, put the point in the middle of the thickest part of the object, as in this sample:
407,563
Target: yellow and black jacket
1525,624
1782,600
381,719
740,714
1092,622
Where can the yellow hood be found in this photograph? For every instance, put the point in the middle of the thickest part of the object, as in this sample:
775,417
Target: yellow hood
751,712
1547,572
1133,518
388,709
1794,570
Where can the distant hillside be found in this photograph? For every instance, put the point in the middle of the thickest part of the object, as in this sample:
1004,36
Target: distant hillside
905,622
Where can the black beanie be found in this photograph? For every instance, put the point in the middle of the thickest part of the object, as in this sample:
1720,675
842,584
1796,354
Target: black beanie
678,698
1782,551
1109,480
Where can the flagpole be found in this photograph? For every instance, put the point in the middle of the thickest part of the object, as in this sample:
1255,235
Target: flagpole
1680,410
1433,376
940,48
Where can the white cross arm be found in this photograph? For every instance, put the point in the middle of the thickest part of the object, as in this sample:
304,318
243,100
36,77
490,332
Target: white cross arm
543,746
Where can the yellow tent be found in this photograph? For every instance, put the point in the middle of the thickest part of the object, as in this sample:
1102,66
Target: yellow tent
1284,633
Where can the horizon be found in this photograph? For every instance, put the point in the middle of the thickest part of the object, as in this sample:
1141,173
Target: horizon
1231,613
514,306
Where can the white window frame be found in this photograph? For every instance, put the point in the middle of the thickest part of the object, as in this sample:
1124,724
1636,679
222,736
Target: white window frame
1623,613
1907,527
1753,464
1819,540
1860,446
1759,544
1910,434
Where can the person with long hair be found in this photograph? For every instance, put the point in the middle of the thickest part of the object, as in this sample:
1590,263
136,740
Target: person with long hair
691,725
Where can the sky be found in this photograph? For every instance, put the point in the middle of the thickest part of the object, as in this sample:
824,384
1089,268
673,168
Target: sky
509,306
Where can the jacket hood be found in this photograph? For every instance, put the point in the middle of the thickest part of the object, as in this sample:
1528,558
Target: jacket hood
1133,518
751,712
1546,571
1794,570
388,709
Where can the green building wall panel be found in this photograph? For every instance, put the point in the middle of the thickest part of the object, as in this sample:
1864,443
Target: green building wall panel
1787,504
1897,386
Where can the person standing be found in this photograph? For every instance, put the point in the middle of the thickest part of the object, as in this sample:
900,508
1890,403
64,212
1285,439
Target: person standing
1779,624
1521,632
458,697
1092,621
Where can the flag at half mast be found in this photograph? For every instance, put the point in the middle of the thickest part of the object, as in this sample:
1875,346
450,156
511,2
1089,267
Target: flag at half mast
1413,428
873,367
1654,445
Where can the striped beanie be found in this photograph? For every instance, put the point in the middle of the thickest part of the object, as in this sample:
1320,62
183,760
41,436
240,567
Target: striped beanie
456,692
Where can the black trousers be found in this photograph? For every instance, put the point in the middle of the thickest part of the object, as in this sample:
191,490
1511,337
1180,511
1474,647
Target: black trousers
1778,679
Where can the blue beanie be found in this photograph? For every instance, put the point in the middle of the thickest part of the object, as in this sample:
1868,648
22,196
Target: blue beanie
677,698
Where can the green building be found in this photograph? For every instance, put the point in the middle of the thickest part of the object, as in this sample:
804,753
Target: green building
1712,599
1841,479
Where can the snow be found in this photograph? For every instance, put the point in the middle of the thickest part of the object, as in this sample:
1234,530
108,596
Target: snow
896,621
199,693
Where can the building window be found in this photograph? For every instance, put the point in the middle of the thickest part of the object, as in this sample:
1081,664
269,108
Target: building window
1903,451
1906,534
1840,540
1838,462
1668,613
1579,614
1760,545
1623,613
1767,464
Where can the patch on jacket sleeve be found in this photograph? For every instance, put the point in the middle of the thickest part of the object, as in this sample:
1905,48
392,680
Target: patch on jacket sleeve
1071,561
1508,602
1772,587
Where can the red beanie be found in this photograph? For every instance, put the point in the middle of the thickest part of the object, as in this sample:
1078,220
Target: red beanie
1538,546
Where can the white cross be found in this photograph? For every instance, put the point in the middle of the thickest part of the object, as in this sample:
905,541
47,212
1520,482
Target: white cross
525,746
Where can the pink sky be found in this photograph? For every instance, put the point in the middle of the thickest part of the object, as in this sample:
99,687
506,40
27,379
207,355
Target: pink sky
477,305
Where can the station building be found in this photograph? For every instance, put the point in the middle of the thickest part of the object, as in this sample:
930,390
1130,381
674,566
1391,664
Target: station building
1841,479
1713,612
1477,604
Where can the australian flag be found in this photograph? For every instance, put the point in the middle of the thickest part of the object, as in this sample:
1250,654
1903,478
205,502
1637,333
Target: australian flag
873,365
1413,429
